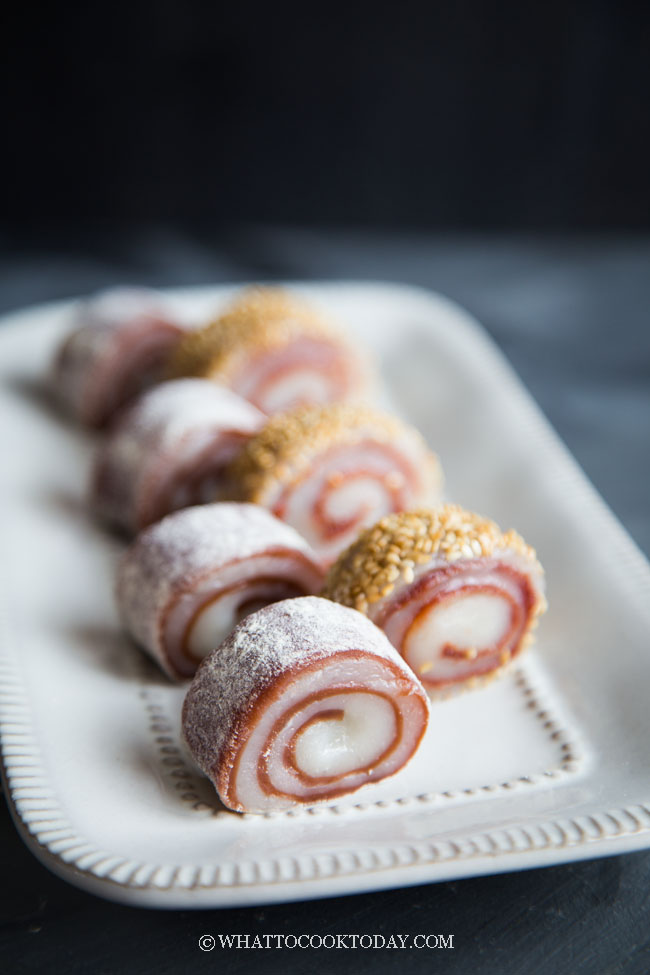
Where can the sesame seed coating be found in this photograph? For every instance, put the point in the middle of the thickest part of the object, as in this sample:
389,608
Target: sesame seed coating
261,319
386,555
286,446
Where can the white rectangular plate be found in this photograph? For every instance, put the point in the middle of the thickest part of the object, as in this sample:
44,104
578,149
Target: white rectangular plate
548,764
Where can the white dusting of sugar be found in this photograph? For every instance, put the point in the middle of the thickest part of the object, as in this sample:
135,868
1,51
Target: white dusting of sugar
149,441
278,640
96,350
175,554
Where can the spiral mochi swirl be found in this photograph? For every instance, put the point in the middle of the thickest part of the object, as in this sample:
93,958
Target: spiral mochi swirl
187,580
118,347
305,701
168,451
456,596
330,471
277,352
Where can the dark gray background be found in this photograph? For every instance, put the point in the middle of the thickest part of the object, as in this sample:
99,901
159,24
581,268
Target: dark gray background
571,314
465,114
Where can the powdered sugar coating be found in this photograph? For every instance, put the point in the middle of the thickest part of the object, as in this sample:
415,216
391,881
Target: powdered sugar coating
99,351
165,430
281,639
165,413
121,304
174,555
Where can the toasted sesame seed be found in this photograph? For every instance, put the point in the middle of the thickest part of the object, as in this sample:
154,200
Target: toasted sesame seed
287,445
261,318
396,543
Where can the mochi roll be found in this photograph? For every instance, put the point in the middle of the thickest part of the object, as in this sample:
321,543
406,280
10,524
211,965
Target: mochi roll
305,701
276,351
118,347
189,579
168,451
456,596
332,470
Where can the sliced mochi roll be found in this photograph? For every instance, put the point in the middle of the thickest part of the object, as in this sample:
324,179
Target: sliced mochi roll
168,451
189,579
304,702
276,351
330,471
118,346
455,595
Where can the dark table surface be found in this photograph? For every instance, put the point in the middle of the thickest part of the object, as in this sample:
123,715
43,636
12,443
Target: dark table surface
573,317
